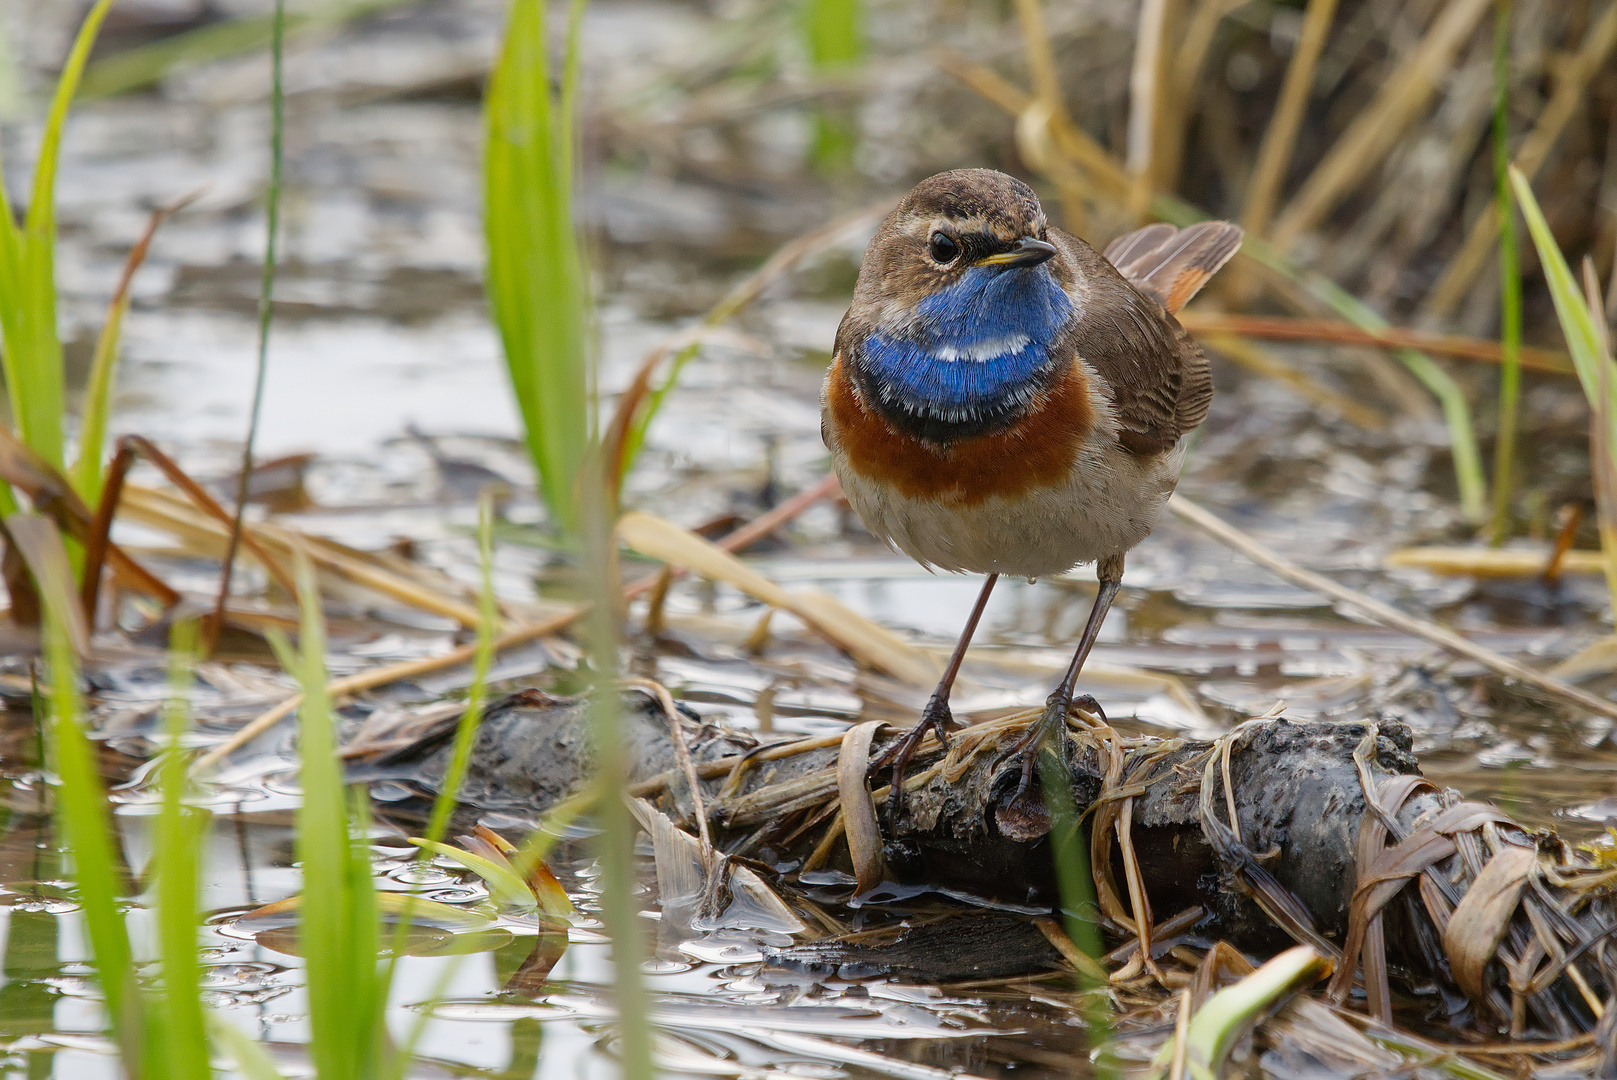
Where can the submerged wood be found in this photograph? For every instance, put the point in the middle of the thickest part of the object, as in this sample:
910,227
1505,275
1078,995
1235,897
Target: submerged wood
1268,830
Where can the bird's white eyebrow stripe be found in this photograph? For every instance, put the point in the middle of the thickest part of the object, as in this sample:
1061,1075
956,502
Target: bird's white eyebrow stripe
981,351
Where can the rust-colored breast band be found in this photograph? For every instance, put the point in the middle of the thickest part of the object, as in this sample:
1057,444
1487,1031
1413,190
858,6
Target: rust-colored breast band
1038,450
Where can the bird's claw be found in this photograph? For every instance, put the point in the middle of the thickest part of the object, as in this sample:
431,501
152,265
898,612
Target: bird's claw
1052,723
936,718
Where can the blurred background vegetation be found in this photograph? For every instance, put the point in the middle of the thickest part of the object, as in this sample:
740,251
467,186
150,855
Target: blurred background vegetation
625,255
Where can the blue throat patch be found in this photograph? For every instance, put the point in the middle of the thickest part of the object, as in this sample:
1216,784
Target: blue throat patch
976,347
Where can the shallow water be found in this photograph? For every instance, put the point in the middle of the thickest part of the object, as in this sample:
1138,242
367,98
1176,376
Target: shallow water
380,331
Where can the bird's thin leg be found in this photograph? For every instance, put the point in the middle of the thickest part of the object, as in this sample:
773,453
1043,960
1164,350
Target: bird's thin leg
936,716
1053,724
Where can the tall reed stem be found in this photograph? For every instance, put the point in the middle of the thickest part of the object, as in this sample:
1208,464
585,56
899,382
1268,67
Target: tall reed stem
266,301
1510,284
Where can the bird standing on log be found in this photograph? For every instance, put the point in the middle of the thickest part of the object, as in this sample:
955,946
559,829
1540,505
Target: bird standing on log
1003,400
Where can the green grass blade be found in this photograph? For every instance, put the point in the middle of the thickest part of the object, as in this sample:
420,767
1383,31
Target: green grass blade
619,909
85,826
504,886
1577,322
834,30
87,470
86,474
1217,1024
252,1061
266,300
1586,342
179,1046
30,351
339,947
482,660
536,282
1510,284
443,806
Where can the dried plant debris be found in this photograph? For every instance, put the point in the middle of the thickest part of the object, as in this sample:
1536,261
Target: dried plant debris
1429,906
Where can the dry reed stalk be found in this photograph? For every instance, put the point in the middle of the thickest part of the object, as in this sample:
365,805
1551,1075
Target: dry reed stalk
1493,562
349,685
1034,144
521,634
209,535
1332,331
1106,176
1260,361
1377,128
1280,138
1147,94
1041,63
1033,122
1184,75
867,641
1385,614
682,752
1569,96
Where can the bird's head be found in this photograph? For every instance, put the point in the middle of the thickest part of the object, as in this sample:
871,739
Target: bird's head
955,230
960,298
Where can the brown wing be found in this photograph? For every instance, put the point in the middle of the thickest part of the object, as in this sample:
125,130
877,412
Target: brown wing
1171,265
1159,380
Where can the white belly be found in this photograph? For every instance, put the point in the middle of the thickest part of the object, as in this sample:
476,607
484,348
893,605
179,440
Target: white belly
1109,503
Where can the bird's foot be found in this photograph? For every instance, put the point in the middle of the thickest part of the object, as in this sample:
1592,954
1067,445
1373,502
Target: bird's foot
935,718
1051,725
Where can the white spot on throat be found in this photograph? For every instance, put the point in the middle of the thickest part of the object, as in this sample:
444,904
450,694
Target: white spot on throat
982,351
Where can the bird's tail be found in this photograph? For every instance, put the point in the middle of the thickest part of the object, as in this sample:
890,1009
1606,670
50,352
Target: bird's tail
1171,265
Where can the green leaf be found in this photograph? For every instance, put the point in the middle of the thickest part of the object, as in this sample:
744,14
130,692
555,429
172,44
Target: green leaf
30,351
86,827
536,281
346,990
504,885
179,1046
251,1059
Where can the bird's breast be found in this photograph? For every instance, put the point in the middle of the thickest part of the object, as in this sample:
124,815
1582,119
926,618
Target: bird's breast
1037,449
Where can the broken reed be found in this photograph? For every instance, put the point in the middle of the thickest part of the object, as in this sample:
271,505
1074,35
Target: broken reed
539,292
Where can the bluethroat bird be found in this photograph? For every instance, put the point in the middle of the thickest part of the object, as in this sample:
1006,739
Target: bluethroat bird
1003,400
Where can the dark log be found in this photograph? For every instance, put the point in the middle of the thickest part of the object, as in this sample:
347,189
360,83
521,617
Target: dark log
1288,869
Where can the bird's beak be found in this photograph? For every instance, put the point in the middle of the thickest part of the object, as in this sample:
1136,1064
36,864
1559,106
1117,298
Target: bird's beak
1027,251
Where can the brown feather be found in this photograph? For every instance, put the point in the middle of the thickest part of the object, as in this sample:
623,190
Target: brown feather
1171,265
1158,378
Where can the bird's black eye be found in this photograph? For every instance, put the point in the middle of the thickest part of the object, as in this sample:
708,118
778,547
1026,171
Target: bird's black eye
944,249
